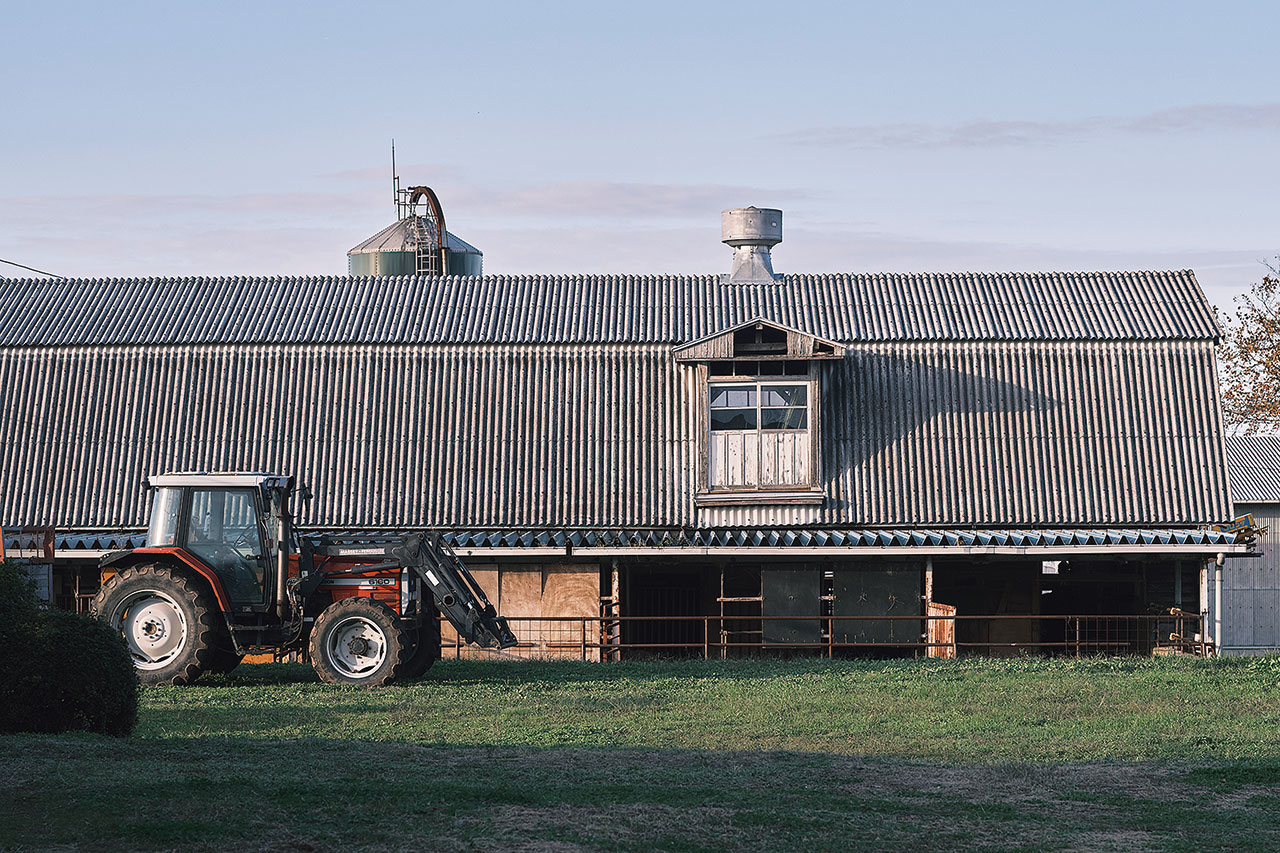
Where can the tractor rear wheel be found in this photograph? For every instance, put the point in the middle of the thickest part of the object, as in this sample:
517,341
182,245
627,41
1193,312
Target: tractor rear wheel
166,620
358,641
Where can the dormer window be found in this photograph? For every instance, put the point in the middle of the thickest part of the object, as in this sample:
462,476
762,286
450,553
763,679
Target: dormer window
758,409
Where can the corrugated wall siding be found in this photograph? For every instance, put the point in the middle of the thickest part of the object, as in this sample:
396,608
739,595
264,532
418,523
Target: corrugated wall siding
1251,589
919,434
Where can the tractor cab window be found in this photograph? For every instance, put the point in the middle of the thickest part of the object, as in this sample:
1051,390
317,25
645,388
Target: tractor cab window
166,504
224,533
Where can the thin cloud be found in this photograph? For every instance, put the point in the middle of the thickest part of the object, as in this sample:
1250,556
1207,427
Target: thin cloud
609,199
24,210
983,133
410,173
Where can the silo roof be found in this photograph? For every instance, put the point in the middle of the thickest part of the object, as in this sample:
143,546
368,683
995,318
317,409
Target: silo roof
398,237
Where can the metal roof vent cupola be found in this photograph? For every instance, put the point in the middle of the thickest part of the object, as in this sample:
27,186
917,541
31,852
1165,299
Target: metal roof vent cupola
752,232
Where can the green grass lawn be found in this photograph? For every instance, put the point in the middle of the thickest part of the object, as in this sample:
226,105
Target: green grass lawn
1116,754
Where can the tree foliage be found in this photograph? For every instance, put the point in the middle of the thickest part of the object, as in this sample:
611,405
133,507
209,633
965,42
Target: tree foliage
1249,368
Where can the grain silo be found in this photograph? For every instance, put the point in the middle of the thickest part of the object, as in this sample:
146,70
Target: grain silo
412,244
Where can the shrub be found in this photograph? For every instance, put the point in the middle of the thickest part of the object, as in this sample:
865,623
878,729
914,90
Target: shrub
60,671
17,596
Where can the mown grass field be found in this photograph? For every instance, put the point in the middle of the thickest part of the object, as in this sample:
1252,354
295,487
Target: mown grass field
1012,755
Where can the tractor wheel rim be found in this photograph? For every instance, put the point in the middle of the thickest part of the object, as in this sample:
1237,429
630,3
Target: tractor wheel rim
153,626
357,646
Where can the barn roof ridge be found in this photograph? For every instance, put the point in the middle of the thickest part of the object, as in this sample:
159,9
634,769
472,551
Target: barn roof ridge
601,308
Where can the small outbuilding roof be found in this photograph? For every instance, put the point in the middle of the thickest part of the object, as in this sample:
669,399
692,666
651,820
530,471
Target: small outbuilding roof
1253,464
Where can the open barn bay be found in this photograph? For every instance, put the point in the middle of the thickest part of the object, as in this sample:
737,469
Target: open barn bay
1025,754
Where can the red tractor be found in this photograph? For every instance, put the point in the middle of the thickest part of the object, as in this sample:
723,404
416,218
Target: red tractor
225,574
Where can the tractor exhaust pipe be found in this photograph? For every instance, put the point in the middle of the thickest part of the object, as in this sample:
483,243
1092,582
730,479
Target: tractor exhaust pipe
282,554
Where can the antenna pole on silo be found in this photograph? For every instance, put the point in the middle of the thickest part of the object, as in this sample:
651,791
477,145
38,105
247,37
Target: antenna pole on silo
395,180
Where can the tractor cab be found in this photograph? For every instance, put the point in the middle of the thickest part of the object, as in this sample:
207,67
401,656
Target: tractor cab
235,524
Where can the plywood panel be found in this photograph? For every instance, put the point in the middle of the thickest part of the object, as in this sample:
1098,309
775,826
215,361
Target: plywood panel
509,593
486,576
571,591
521,591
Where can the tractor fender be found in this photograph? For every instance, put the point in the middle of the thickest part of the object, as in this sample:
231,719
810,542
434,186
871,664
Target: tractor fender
118,561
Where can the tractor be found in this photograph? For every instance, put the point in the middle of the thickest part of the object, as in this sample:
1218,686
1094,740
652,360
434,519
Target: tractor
225,574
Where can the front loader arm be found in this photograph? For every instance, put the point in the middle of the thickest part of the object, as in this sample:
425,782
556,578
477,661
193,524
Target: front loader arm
456,593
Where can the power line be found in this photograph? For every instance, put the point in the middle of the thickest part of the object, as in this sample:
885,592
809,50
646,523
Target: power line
33,269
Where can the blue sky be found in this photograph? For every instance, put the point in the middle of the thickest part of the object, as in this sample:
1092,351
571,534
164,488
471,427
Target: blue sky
253,138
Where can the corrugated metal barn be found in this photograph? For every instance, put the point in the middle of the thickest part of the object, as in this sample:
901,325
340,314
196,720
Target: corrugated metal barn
1249,596
850,446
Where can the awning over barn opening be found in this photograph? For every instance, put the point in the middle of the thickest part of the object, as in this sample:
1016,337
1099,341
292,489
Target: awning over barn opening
761,541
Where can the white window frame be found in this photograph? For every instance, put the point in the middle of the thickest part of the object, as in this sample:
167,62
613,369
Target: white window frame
806,491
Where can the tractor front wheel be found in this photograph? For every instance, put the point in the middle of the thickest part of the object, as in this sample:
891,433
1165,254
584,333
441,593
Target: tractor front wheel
166,621
358,641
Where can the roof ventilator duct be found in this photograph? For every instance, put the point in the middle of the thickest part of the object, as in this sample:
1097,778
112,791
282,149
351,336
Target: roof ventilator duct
752,232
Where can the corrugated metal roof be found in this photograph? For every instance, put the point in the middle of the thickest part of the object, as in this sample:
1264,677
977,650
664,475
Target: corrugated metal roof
913,434
601,308
1253,463
759,538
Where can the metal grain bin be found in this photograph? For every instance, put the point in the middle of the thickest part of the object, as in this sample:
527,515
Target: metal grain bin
391,252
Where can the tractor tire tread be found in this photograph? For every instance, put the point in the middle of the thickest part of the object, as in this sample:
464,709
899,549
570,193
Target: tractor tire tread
398,642
203,632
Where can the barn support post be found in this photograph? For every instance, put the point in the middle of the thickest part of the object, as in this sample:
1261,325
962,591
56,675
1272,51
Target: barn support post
1206,606
927,636
1217,604
615,627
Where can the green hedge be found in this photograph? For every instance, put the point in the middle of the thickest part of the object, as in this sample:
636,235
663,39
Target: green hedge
60,671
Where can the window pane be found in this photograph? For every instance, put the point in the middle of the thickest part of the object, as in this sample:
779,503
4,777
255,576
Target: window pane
164,517
783,395
733,396
784,418
725,419
224,534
